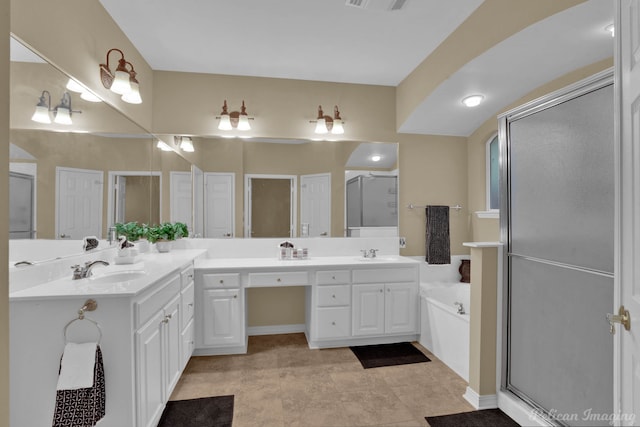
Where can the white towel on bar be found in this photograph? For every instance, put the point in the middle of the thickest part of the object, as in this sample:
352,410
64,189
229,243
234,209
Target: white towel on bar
76,367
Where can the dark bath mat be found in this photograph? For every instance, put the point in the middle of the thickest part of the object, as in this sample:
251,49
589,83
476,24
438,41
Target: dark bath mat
486,417
204,412
375,356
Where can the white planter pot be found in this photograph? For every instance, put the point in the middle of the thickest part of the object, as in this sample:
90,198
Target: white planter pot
163,246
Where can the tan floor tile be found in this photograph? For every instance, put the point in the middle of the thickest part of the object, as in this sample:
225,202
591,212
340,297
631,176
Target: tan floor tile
374,407
251,412
315,412
357,380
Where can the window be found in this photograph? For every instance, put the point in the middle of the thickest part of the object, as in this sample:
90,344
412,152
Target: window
493,174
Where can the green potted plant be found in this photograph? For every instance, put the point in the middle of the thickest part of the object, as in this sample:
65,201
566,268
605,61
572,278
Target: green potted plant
135,233
162,235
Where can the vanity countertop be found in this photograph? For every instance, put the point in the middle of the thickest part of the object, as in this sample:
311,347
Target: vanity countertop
310,263
152,266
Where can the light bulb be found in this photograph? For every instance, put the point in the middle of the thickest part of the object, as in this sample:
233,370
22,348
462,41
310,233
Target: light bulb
186,145
321,127
133,96
473,100
163,146
243,122
225,122
74,86
88,96
41,115
62,116
337,127
121,83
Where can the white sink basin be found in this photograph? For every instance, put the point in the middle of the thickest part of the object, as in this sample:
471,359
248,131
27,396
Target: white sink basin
377,259
117,276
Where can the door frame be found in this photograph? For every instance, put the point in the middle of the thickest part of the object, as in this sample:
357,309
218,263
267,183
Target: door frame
111,180
293,231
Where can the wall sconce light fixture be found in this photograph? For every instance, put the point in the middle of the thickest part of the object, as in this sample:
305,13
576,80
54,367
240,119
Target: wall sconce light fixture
185,143
326,124
61,113
123,81
163,146
235,119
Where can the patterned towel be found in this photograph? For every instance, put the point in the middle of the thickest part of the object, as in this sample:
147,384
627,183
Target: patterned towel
438,244
82,407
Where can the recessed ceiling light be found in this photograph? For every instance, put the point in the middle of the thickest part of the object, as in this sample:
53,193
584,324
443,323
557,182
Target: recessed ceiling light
376,158
472,100
610,28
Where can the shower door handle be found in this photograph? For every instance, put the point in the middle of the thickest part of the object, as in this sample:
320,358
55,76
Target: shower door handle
622,317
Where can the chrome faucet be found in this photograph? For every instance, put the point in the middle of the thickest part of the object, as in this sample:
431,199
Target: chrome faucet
369,253
460,307
84,272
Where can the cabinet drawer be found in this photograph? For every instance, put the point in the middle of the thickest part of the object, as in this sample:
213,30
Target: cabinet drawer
333,277
226,280
150,304
187,305
385,275
329,296
288,278
186,276
188,343
333,322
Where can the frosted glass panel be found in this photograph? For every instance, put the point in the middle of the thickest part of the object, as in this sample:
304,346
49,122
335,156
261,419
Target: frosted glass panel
562,182
561,348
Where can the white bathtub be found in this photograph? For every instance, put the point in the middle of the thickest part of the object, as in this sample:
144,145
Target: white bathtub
442,330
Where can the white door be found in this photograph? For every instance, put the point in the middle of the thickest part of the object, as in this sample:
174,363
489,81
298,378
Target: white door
198,201
400,308
180,198
78,203
627,343
315,204
222,317
120,197
219,204
171,347
368,309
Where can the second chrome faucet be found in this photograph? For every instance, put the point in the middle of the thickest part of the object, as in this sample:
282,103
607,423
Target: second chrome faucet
80,272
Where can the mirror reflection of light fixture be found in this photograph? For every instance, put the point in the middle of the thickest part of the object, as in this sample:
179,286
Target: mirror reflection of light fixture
41,115
235,119
376,158
163,146
185,143
326,124
74,86
612,29
61,113
123,81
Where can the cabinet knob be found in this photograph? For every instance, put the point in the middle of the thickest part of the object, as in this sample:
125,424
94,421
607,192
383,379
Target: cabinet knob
221,281
333,296
190,304
381,290
279,279
388,290
333,277
168,316
165,320
235,296
333,323
190,276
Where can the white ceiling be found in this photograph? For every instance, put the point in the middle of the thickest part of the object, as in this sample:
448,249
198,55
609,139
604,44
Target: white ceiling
327,40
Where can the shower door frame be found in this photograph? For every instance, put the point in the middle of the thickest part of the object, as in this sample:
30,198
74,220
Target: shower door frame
598,81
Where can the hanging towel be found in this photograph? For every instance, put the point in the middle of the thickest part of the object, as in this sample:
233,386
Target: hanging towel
438,244
80,395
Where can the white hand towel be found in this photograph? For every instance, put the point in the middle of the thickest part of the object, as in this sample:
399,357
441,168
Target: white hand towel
76,367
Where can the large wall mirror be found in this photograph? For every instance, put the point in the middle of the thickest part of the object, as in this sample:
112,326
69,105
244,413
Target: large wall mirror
71,181
68,181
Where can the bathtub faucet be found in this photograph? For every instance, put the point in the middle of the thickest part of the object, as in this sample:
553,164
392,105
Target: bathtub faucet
460,307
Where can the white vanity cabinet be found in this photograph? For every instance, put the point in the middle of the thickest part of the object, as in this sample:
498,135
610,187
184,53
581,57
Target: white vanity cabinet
331,305
187,310
385,301
220,318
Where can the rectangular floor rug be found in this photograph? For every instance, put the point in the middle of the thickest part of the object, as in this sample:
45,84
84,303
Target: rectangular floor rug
204,412
486,417
375,356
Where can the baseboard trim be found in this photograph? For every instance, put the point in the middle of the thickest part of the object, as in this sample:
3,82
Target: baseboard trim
487,401
275,329
522,413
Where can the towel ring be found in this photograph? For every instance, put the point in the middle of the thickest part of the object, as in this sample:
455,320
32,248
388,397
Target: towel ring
89,305
84,318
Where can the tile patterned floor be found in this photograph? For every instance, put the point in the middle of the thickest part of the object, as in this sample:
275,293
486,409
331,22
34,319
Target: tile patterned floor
281,382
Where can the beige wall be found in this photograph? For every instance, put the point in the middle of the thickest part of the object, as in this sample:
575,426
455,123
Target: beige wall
488,25
4,217
483,230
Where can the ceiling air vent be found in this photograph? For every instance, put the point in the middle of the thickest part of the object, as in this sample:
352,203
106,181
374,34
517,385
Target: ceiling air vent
383,5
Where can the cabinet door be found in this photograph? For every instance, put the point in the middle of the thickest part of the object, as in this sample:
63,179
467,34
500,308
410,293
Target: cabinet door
222,317
149,348
400,308
171,346
368,309
188,344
